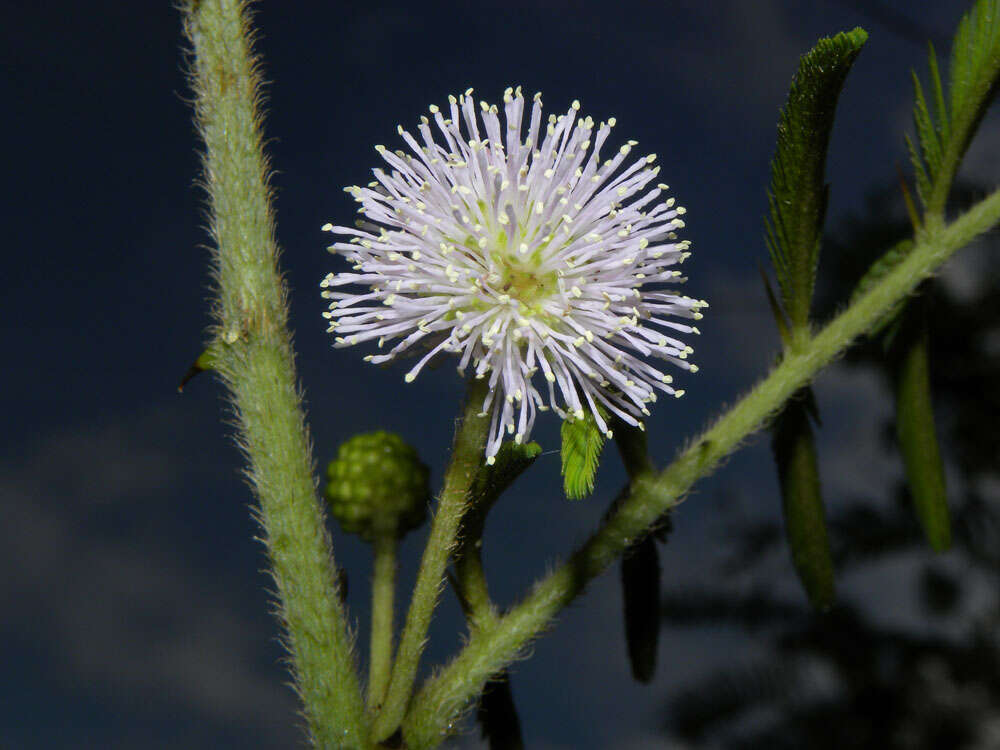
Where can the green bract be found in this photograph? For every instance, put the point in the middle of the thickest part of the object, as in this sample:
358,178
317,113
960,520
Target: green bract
377,486
582,442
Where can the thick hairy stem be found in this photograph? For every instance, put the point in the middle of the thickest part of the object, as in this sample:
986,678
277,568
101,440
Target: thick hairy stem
466,460
252,351
443,698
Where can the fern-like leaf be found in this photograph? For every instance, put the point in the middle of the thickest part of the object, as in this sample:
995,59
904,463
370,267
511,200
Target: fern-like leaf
798,195
973,72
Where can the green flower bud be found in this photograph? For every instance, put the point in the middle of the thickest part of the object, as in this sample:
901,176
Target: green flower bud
377,486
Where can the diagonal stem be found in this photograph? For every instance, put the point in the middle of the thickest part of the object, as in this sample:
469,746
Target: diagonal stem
443,698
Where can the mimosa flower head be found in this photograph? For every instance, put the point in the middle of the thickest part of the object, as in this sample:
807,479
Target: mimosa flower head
529,257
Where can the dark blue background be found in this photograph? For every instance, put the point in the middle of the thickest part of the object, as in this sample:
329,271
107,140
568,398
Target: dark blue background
133,610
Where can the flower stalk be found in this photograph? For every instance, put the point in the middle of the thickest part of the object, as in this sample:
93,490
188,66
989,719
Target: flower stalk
466,460
470,576
383,593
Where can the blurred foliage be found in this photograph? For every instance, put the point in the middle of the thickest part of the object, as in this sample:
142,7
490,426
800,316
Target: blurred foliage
909,359
876,671
794,451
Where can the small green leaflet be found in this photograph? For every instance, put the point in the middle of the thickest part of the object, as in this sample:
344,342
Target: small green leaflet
582,441
929,133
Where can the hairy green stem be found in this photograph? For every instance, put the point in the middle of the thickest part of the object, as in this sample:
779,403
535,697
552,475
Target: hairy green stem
470,577
466,460
435,708
252,352
383,591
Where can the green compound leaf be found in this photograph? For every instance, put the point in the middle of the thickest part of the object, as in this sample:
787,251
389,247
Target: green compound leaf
945,134
582,442
802,501
798,194
915,429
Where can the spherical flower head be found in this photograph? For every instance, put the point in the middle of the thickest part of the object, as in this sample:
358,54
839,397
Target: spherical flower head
527,256
377,486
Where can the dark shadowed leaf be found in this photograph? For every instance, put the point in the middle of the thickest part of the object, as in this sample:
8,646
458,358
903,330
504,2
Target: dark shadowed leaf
633,447
498,716
511,461
641,593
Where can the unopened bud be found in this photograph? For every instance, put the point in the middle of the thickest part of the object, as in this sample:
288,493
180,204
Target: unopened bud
377,486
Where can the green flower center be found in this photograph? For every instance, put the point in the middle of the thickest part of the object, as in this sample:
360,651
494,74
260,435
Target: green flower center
523,281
